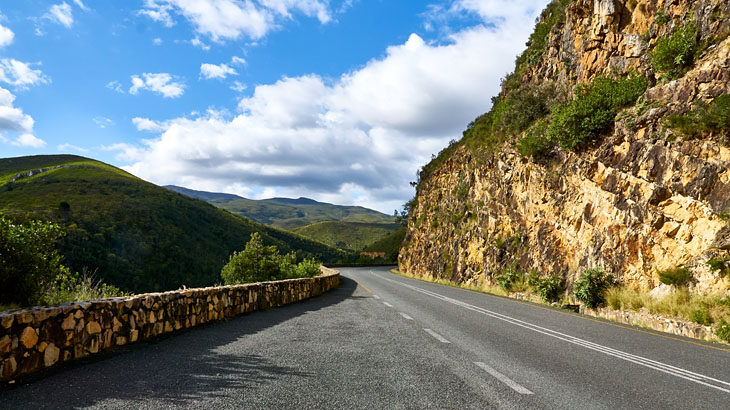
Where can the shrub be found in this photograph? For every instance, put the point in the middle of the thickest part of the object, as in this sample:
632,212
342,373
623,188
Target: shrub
719,264
593,110
702,317
704,119
678,276
74,287
550,288
591,286
535,143
511,279
674,55
259,263
30,261
553,14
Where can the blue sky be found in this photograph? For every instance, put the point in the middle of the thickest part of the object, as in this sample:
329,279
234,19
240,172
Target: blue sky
337,100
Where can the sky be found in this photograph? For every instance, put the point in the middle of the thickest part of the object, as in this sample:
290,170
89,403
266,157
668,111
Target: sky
341,101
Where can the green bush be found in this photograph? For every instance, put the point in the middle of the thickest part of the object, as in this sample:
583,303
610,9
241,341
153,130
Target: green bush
550,288
553,14
704,119
259,263
674,54
679,276
509,277
719,265
593,110
535,142
591,286
702,317
30,261
73,287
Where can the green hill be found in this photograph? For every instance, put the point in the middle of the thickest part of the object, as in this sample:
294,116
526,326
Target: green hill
390,244
346,235
287,213
134,234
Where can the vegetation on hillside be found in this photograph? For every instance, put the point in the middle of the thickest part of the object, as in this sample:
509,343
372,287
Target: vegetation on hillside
133,234
287,213
259,263
674,54
346,235
704,119
390,245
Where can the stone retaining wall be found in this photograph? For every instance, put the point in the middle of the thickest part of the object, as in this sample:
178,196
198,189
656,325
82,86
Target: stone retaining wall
36,338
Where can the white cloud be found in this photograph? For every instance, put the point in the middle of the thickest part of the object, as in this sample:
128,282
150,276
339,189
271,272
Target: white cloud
28,140
61,14
6,36
222,20
157,41
20,74
116,86
238,86
126,152
70,147
358,138
196,42
81,5
103,122
221,71
236,60
12,118
162,83
146,124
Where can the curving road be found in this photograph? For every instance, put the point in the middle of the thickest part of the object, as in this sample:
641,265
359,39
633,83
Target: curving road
384,341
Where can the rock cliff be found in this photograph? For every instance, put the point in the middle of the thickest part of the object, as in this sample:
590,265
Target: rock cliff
638,200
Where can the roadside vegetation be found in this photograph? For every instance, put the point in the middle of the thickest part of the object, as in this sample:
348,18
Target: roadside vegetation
260,263
32,273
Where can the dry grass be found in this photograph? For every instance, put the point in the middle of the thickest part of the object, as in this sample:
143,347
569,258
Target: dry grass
481,287
679,303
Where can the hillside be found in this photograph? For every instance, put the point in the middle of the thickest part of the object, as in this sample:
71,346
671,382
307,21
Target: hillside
606,147
133,234
287,213
346,235
389,244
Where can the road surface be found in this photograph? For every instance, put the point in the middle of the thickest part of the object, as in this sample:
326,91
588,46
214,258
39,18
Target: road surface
385,341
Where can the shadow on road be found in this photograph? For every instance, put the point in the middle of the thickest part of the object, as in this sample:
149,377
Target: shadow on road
191,366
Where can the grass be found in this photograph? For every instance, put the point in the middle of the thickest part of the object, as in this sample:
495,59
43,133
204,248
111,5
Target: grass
136,235
390,244
679,303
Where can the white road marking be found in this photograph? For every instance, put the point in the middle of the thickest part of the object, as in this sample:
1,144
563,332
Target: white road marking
437,336
642,361
504,379
376,297
405,316
387,304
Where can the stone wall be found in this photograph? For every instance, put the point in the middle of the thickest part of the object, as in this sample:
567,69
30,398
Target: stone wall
37,338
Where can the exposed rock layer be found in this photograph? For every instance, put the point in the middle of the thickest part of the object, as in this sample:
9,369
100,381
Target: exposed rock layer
635,203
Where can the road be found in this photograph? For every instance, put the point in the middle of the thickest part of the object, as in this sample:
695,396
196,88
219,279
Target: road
385,341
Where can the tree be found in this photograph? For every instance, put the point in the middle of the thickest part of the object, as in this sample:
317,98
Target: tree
29,261
256,263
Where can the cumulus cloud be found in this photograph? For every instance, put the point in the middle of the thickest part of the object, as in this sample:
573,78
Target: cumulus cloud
6,36
162,83
220,71
12,118
125,152
221,20
61,14
146,124
238,86
20,74
116,86
28,140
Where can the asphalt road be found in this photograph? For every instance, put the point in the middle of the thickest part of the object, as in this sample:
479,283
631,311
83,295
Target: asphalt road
384,341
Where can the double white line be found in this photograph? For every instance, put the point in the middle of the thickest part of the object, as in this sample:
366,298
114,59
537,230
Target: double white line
643,361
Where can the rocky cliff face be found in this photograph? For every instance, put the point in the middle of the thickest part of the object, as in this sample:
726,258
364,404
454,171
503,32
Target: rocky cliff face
634,203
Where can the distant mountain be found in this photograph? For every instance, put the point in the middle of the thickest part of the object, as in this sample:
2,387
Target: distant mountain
205,196
134,234
287,213
347,235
